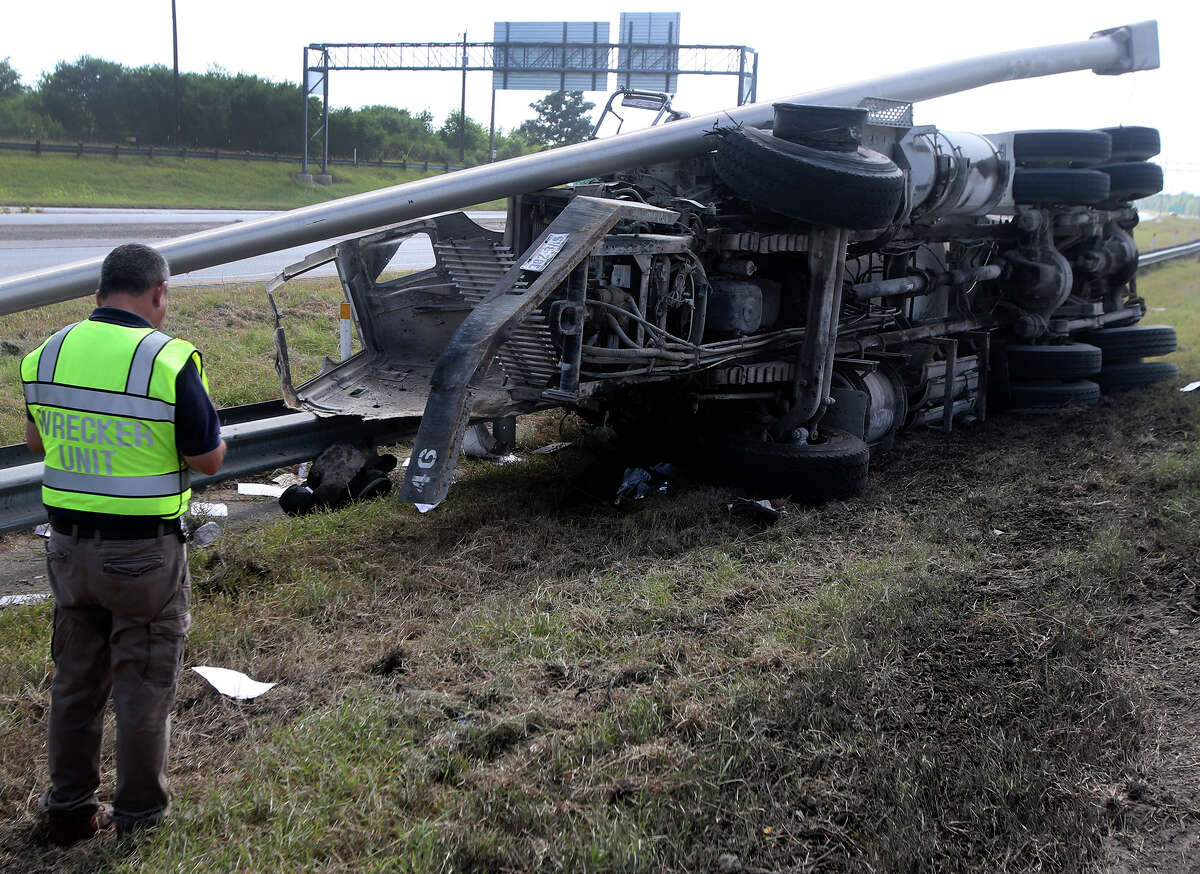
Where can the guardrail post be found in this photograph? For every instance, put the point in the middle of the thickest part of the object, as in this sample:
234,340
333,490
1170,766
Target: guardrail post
79,150
426,167
116,150
344,331
37,147
403,163
183,152
150,154
447,167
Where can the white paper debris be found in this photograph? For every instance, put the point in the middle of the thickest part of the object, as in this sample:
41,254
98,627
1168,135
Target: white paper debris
286,479
200,508
506,459
42,530
235,684
302,473
405,462
997,532
18,600
1191,386
551,448
424,508
260,489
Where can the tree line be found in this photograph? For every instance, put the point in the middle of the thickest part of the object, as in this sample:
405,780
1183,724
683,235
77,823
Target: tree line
99,101
1172,204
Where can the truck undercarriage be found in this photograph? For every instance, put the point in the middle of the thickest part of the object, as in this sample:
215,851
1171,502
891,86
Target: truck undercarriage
792,298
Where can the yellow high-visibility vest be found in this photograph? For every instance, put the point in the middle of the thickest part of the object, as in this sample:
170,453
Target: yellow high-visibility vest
103,399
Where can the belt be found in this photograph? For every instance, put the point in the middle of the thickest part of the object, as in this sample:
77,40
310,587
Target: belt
139,530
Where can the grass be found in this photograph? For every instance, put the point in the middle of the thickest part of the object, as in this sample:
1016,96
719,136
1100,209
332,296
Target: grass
1164,231
526,683
232,325
927,678
62,180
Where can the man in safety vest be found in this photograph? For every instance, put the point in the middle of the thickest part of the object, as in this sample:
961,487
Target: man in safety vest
122,412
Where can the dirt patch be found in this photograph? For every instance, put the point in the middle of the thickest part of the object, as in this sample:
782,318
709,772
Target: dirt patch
23,553
1156,809
947,674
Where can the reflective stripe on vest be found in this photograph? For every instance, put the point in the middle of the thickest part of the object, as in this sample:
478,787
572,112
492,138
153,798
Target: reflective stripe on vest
160,486
90,400
49,359
142,367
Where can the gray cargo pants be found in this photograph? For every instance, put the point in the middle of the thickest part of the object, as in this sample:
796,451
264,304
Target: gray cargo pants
120,618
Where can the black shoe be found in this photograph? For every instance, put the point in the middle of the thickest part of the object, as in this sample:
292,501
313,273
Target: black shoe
63,830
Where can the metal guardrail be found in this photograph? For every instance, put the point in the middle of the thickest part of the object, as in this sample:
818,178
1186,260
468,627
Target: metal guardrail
150,152
1157,256
264,437
254,445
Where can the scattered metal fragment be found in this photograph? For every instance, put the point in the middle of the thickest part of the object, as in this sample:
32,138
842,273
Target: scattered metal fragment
205,535
638,482
754,511
21,600
551,448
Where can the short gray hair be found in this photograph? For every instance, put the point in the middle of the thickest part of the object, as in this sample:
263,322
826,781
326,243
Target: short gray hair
132,269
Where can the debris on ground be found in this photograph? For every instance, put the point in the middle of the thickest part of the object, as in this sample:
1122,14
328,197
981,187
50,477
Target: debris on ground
638,482
262,490
235,684
343,473
761,511
551,448
200,508
1191,386
204,535
42,530
290,479
21,600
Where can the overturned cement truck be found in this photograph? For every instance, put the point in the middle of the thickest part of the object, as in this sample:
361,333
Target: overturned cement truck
788,299
787,284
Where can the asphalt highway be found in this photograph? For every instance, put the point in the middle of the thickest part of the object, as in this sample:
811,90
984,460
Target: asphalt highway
51,236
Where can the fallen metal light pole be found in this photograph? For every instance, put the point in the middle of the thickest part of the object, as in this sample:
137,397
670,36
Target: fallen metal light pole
1120,50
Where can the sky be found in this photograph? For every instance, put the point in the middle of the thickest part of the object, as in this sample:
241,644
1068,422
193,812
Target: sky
802,46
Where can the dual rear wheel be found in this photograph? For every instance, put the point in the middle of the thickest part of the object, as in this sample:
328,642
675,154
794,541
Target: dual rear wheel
1104,167
1047,378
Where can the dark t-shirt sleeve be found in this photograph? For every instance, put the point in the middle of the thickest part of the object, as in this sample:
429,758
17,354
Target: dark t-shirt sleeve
197,428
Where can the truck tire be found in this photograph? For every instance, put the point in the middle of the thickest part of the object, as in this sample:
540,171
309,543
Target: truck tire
1133,342
1070,361
859,189
1069,187
1133,143
1061,148
1135,374
810,472
1049,397
1132,180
